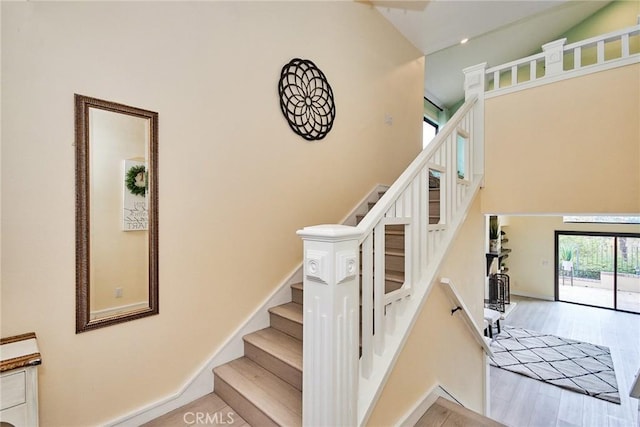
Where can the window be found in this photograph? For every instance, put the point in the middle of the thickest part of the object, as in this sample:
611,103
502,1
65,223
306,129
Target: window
604,219
429,131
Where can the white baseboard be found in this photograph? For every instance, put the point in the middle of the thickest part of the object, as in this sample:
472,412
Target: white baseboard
429,398
201,383
112,311
531,295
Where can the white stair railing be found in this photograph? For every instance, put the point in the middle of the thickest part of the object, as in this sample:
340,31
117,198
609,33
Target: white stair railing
559,61
340,388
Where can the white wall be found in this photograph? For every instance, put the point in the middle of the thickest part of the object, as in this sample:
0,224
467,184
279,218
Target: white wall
234,182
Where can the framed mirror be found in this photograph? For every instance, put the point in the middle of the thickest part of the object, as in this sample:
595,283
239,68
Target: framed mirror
116,213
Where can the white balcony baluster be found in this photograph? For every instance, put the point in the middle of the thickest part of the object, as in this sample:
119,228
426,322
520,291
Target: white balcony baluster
553,56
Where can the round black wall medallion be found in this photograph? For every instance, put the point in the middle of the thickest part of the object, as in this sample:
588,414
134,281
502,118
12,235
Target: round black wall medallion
306,99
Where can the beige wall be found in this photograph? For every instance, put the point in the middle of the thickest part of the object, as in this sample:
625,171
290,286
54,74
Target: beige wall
566,147
235,182
531,262
440,348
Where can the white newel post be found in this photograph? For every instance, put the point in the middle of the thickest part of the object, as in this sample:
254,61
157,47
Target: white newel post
474,85
553,57
331,318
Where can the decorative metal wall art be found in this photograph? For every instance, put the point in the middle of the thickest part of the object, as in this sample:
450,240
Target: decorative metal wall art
306,99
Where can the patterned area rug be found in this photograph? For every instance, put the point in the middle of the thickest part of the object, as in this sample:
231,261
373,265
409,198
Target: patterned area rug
574,365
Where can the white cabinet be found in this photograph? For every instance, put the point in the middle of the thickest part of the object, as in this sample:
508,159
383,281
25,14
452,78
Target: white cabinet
19,380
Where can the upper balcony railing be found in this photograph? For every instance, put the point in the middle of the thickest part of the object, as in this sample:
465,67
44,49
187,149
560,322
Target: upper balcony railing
558,61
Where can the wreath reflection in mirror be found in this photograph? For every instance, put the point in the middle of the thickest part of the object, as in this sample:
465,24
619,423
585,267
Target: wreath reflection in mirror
306,99
136,180
135,211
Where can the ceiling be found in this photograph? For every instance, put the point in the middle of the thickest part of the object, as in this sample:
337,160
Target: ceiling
498,32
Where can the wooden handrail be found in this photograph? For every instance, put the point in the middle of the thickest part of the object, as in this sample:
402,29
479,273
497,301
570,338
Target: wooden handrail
461,307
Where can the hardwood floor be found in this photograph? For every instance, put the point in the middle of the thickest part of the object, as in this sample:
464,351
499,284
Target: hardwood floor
519,401
209,410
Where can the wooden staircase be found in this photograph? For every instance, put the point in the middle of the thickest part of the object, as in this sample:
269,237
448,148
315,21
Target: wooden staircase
265,385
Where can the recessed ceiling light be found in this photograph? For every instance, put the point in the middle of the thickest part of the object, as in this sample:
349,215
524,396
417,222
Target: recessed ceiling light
463,41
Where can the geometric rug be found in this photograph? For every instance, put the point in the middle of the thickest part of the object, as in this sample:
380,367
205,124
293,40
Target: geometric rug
574,365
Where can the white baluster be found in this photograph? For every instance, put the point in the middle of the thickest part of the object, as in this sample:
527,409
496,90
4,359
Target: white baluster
424,221
577,58
366,362
378,288
419,217
407,203
600,50
331,322
625,45
471,148
452,176
397,208
533,72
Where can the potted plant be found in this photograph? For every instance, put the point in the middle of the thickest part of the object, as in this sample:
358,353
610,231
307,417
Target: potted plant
494,233
566,256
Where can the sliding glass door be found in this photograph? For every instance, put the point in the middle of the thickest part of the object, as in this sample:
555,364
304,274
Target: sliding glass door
598,269
628,274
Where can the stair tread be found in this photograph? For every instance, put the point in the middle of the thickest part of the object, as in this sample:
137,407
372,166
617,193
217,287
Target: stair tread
210,403
290,310
297,285
394,232
278,400
394,252
394,276
444,412
278,344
